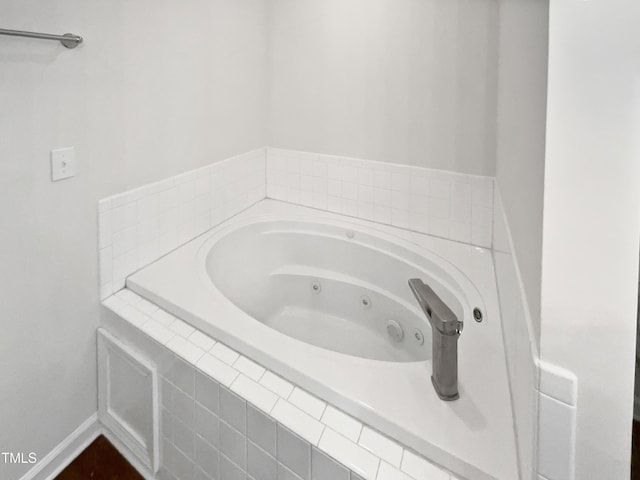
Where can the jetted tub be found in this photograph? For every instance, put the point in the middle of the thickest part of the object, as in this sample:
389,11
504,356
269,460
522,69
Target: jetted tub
323,300
333,287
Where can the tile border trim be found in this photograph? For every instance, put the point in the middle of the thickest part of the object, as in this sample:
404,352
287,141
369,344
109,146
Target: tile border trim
558,395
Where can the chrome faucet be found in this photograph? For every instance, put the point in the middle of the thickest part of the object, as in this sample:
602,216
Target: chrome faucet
446,329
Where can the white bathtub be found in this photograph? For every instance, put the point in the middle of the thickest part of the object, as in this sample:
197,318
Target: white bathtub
323,300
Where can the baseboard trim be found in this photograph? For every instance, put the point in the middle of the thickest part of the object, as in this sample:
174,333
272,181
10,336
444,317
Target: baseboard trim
66,451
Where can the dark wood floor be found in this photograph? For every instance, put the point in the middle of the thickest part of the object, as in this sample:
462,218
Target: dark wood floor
100,461
635,451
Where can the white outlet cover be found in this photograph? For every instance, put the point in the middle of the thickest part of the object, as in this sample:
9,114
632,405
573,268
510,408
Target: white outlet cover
63,163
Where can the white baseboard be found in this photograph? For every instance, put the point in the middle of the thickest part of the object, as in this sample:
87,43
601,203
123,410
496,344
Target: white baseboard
67,450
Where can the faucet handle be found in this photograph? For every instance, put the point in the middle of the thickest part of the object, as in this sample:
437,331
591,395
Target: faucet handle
439,314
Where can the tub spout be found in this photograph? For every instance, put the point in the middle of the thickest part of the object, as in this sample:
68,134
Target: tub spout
446,329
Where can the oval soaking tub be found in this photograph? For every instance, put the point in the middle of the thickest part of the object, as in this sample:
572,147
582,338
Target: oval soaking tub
323,300
335,288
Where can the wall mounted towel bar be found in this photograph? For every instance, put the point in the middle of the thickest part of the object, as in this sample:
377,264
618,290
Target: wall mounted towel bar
69,40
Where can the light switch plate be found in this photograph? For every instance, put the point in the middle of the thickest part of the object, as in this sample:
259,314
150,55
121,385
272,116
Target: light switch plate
63,163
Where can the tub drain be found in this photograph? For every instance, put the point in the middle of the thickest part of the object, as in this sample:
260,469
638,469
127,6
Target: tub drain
316,287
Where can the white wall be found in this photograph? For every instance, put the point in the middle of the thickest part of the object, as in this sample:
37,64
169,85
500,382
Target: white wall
404,81
592,221
522,90
159,88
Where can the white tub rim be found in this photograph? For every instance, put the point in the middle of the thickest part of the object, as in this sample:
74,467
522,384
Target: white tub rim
485,397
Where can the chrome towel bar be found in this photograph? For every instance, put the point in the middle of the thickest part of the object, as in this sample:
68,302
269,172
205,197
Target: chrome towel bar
69,40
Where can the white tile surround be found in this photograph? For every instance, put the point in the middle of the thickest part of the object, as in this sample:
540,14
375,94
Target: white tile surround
543,395
363,450
139,226
440,203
